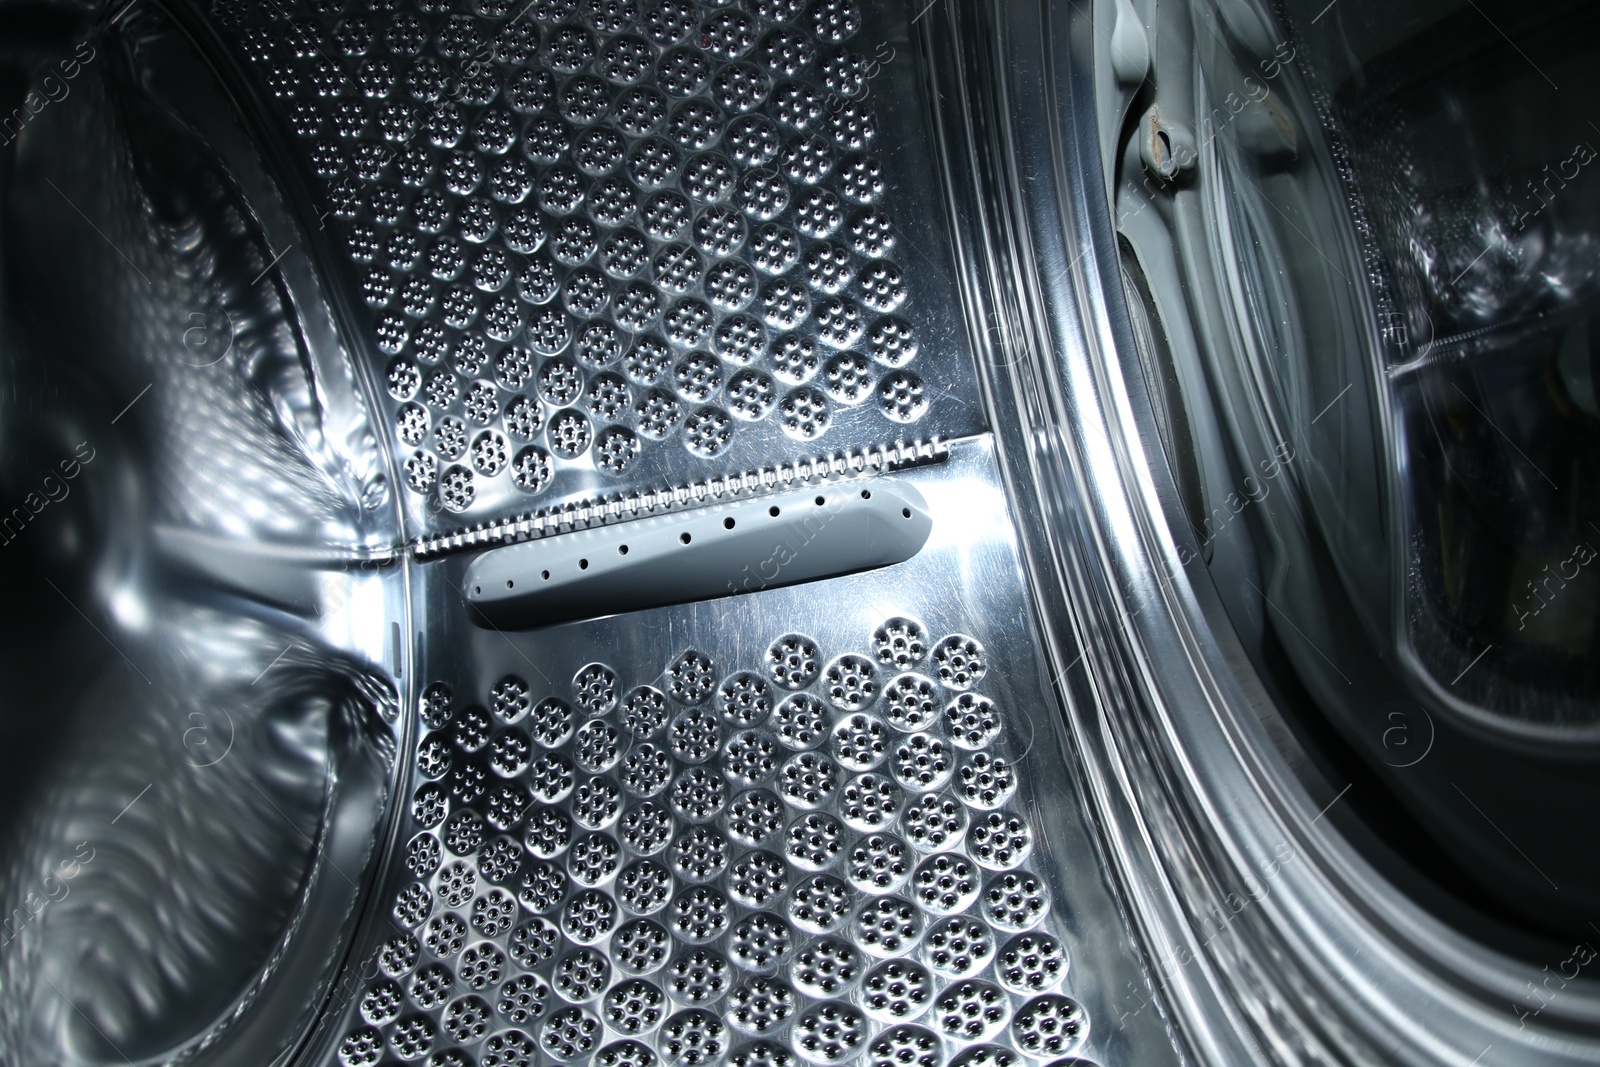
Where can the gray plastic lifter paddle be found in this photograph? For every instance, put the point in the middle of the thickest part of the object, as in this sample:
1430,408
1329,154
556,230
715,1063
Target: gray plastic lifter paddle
736,548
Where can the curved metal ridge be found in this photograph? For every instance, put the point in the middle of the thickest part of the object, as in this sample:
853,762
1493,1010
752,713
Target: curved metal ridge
604,511
1068,472
1266,937
1039,437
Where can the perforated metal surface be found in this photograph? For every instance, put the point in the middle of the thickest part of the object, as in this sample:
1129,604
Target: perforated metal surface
816,825
803,883
606,245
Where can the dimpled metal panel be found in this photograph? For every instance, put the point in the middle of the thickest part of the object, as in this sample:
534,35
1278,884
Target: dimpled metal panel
811,825
604,245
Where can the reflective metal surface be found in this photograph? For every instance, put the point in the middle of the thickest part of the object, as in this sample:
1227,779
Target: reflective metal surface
603,248
1363,485
202,688
827,821
1269,930
834,822
315,317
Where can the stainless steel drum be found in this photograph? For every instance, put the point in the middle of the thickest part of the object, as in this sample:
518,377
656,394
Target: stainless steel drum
634,533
